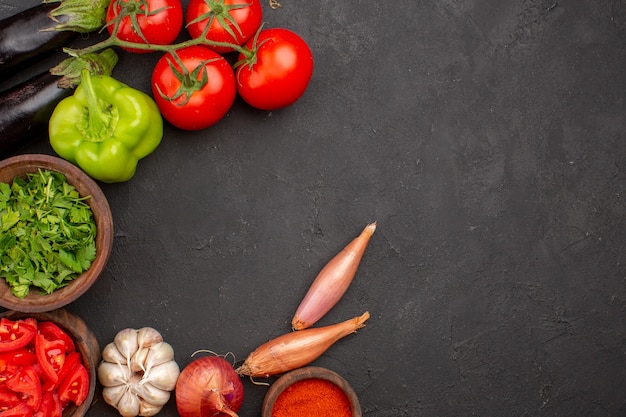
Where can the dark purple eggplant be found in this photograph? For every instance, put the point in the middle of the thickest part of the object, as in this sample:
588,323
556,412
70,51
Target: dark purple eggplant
27,36
25,110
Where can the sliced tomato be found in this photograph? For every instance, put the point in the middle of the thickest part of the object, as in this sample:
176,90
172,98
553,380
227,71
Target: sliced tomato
17,357
50,405
15,334
50,356
8,398
53,332
20,410
26,383
71,360
75,386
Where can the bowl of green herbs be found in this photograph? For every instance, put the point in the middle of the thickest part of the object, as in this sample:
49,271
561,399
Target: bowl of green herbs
56,232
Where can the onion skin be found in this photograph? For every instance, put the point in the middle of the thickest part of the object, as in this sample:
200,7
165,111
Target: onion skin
296,349
332,281
209,386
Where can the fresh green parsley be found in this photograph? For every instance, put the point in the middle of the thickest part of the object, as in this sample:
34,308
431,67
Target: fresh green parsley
47,233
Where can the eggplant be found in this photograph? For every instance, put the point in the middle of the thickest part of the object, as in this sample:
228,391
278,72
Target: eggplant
26,36
25,111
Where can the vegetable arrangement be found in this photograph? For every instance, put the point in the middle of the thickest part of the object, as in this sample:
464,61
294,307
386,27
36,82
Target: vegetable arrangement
193,84
105,127
41,372
270,61
48,233
209,385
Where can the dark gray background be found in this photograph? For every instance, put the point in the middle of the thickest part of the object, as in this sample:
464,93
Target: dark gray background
485,137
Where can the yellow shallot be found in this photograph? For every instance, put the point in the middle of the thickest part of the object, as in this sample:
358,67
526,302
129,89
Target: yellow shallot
296,349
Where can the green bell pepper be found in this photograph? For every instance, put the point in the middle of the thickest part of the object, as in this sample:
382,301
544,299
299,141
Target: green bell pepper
105,128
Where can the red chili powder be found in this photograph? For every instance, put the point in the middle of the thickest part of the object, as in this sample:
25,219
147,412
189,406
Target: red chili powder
312,397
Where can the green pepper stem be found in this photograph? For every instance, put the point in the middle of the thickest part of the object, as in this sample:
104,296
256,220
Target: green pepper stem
99,121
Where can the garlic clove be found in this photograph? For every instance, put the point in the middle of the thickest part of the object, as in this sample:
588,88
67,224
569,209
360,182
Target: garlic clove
147,410
113,374
163,376
113,395
138,361
147,337
129,405
151,394
111,353
126,342
159,354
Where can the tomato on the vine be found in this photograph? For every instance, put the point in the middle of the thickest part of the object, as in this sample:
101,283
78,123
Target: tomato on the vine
230,21
194,87
277,70
156,22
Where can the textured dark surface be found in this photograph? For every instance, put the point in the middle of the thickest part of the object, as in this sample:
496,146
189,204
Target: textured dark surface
486,138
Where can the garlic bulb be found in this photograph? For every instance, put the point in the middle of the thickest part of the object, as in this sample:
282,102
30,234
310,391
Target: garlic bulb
138,372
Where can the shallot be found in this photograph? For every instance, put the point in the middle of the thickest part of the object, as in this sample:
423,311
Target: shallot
296,349
332,281
209,386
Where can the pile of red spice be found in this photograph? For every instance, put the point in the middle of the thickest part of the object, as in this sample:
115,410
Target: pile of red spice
312,397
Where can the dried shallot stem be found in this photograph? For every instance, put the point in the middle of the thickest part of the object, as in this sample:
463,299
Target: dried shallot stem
296,349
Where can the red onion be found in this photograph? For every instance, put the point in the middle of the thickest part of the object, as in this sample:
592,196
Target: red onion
209,386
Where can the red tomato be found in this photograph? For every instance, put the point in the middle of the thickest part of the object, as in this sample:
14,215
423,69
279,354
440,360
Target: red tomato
231,21
16,358
20,410
71,360
50,356
196,94
26,382
278,70
50,405
75,386
15,334
159,25
53,332
8,398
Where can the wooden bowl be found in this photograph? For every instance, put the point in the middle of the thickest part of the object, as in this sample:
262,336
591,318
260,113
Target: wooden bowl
19,166
309,372
85,341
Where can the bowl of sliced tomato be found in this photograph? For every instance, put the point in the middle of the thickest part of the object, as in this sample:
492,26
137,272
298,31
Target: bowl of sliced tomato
47,364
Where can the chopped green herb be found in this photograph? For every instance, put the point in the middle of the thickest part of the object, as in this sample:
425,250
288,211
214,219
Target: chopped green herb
48,233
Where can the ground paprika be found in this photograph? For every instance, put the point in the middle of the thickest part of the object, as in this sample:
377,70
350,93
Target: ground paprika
313,397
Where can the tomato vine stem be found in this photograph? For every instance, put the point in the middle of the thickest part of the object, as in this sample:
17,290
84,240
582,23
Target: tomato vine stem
114,41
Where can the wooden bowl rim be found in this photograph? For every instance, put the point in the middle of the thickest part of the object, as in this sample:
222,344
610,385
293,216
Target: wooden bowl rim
86,343
309,372
35,302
